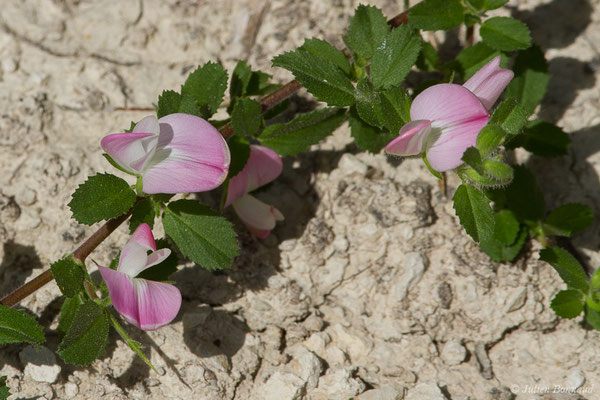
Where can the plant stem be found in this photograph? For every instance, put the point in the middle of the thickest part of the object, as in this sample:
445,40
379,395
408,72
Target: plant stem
470,37
98,237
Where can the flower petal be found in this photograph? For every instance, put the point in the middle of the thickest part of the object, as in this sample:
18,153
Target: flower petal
263,166
447,104
157,257
411,139
133,259
489,82
158,303
147,124
130,150
259,217
144,237
121,291
191,156
446,152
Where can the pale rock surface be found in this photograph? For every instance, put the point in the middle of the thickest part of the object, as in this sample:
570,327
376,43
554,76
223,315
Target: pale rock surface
40,364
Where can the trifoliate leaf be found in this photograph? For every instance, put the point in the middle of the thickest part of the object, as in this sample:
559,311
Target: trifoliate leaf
68,275
144,212
395,108
474,212
568,219
102,196
239,148
320,77
246,118
471,59
436,15
87,336
368,104
395,57
506,227
567,266
303,131
205,237
505,34
510,115
531,78
567,303
499,251
326,51
169,102
240,78
67,314
17,327
366,32
542,139
366,136
524,197
206,85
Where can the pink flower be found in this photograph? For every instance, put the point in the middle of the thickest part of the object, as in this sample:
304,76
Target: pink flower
178,153
146,304
446,118
263,166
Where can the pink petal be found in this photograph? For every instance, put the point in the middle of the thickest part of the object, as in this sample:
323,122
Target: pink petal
157,257
121,291
256,215
146,304
191,156
130,150
411,139
144,237
489,82
158,304
263,166
446,152
133,259
148,124
447,104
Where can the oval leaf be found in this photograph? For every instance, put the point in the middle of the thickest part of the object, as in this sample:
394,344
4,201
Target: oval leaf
505,33
17,327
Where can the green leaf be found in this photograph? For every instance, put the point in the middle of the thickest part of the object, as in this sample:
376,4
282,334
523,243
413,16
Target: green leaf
505,33
567,304
169,102
326,51
436,15
162,271
246,118
239,149
68,275
68,311
144,212
468,174
592,317
4,390
87,336
395,108
506,227
471,59
276,110
487,4
531,78
190,106
206,85
320,77
568,219
366,32
240,78
499,251
395,57
472,158
524,196
17,327
303,131
428,58
567,266
102,196
510,115
368,104
368,137
474,211
498,170
542,139
489,138
205,237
